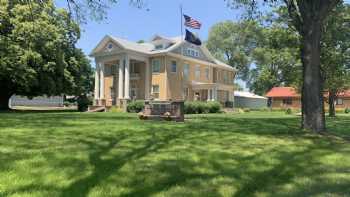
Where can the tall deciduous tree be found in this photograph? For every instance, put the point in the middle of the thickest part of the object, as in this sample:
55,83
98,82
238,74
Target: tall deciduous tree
308,17
37,52
335,54
233,42
276,58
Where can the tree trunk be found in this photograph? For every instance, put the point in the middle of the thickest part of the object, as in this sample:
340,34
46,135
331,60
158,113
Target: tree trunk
313,117
4,102
331,98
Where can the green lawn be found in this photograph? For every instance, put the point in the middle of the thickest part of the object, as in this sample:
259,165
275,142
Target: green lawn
110,154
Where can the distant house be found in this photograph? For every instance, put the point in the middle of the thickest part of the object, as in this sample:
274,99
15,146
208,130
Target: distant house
287,97
343,100
40,101
249,100
283,97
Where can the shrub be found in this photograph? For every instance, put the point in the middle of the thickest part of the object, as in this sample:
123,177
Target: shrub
289,111
246,109
198,107
214,107
83,103
347,110
66,104
135,106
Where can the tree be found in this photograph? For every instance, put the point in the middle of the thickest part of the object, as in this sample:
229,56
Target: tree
335,54
307,16
233,42
276,59
37,52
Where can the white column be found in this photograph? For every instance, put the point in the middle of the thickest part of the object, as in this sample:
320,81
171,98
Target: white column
121,79
147,79
215,94
97,83
102,81
209,96
127,78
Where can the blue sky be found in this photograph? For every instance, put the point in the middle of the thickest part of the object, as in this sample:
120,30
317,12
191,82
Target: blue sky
162,18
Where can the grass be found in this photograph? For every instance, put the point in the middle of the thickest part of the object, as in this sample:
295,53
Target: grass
111,154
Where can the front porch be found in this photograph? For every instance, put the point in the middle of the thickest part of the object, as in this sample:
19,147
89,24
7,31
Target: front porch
209,92
121,78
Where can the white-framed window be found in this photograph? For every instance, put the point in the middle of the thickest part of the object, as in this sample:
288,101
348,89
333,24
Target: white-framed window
339,101
110,46
207,73
155,91
155,65
198,72
287,101
133,93
173,66
134,68
186,90
186,70
191,52
159,46
225,77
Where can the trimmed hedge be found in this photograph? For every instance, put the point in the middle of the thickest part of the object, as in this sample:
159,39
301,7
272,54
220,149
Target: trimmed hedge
135,106
199,107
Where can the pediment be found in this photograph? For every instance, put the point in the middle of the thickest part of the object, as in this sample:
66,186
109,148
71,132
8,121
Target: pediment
107,44
193,51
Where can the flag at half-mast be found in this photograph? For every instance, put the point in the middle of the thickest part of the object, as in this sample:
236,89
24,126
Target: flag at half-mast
190,22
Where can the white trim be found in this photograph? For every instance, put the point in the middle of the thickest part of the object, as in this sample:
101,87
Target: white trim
210,64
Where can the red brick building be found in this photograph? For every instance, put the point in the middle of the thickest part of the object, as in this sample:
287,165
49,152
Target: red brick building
288,97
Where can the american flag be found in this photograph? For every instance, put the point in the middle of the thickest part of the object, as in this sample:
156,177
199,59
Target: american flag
190,22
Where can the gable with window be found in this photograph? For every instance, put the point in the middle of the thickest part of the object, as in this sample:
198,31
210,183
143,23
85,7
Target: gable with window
191,52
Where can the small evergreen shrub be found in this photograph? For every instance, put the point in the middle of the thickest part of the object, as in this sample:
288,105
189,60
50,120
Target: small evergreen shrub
289,111
135,106
83,103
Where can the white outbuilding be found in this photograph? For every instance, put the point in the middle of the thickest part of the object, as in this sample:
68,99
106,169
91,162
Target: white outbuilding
249,100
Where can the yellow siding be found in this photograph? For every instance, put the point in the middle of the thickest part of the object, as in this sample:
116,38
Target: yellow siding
160,78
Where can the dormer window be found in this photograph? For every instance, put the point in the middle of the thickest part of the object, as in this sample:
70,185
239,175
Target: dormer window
191,52
159,46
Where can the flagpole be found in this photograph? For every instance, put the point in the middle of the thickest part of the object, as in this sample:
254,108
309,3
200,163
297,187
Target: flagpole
181,16
182,37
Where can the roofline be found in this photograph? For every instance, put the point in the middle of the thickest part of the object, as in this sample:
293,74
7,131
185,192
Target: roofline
199,61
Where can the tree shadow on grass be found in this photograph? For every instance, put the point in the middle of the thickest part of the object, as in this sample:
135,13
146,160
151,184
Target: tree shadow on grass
156,136
104,168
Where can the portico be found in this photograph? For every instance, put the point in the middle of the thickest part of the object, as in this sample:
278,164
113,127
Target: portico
121,78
